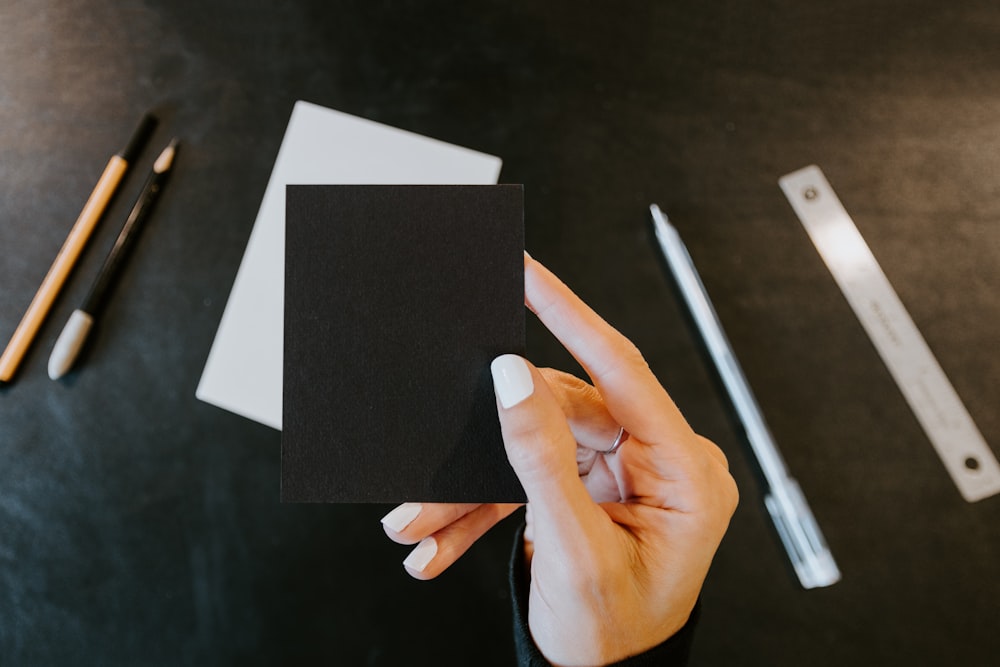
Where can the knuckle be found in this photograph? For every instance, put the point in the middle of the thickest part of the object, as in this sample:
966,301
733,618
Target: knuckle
715,488
730,494
716,451
622,354
528,447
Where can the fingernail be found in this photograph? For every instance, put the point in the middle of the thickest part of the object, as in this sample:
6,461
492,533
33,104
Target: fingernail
402,516
422,555
527,255
511,379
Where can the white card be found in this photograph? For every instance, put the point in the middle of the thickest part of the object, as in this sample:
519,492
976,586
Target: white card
243,373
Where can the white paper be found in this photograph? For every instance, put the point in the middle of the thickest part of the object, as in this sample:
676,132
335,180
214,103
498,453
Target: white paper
243,373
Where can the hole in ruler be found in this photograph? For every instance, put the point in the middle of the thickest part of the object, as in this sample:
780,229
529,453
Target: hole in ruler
972,463
810,193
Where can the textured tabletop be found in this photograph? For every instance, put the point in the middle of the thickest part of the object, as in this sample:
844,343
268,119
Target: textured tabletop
141,526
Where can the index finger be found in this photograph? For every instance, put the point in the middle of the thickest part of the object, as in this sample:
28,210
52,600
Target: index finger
631,392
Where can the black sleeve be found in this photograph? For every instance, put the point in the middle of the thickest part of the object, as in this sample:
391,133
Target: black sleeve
671,653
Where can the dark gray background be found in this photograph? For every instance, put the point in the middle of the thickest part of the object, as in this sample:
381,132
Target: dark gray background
140,526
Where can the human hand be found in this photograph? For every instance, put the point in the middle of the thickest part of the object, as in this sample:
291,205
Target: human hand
618,544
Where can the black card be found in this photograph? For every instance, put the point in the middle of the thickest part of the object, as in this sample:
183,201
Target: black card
397,298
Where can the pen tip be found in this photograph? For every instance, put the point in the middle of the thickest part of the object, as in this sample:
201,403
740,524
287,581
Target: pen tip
658,216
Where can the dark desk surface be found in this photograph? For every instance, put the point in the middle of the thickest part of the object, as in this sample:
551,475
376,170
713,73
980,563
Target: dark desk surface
140,526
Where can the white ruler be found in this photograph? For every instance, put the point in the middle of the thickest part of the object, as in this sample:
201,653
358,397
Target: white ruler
968,459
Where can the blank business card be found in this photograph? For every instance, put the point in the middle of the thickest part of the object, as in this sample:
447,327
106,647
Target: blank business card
397,298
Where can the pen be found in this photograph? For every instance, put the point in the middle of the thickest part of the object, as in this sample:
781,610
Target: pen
813,562
71,249
82,320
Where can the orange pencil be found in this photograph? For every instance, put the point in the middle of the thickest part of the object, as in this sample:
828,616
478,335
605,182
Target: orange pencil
71,249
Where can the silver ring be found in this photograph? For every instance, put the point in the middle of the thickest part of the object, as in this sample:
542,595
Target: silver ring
622,437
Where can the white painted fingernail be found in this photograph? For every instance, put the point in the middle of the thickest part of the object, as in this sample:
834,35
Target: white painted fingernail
402,516
422,555
511,379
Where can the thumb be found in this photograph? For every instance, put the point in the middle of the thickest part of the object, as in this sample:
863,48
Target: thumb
540,446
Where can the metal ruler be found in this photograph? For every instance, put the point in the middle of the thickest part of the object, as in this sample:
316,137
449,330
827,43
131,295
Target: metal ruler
966,456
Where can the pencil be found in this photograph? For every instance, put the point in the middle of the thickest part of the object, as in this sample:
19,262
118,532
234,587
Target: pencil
54,280
75,333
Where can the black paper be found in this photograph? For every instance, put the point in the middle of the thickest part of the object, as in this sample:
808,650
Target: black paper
397,298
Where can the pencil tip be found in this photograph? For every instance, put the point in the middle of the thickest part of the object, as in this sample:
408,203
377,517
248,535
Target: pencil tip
166,159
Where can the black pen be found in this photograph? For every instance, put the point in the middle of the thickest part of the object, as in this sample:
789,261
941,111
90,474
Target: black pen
80,323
